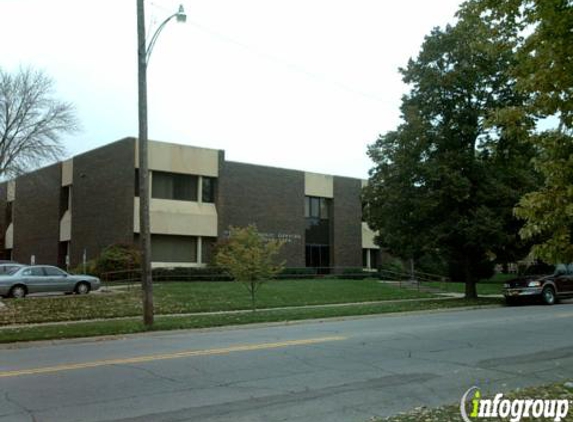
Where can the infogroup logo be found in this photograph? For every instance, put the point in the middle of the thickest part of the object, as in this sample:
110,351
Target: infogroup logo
473,407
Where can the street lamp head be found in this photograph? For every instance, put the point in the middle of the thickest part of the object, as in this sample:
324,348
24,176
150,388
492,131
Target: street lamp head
181,16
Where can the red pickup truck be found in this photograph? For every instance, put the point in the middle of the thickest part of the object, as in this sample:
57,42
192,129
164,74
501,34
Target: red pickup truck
547,287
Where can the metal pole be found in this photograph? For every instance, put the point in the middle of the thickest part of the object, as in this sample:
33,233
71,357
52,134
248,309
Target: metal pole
144,226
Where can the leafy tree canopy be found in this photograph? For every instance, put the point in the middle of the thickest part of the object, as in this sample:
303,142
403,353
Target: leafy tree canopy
544,74
446,180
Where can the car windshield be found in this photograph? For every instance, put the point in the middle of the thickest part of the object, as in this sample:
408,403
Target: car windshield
563,269
540,268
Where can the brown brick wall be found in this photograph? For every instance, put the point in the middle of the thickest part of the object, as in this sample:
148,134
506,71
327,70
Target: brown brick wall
3,225
270,197
36,216
347,223
102,199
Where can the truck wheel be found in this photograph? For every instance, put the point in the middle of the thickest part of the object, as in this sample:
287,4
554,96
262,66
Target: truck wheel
548,296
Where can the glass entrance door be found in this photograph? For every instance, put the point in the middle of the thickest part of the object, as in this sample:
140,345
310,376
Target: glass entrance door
318,256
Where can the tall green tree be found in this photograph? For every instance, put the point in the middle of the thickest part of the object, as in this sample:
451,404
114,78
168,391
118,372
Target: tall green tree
544,74
446,180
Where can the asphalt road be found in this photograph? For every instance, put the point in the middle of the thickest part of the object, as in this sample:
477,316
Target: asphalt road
343,370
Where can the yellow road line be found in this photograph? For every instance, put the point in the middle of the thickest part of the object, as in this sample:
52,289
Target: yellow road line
167,356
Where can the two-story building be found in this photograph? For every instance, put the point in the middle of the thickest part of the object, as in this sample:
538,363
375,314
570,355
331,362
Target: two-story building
71,209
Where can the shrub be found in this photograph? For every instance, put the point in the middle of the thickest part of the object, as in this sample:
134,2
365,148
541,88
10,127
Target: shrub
90,268
432,264
116,259
354,273
393,265
190,274
296,273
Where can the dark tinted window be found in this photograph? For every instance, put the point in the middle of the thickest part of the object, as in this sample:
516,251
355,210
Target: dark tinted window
9,213
181,187
136,183
324,208
374,258
316,207
208,193
53,271
65,200
165,248
539,268
37,271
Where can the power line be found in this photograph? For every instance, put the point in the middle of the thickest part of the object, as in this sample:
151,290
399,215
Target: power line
296,68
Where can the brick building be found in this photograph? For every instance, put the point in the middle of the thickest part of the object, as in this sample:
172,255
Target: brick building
81,205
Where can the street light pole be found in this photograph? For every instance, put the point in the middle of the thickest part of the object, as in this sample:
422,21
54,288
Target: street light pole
143,55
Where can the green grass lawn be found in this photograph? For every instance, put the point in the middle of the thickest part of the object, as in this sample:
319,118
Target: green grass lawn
176,298
134,325
483,288
499,278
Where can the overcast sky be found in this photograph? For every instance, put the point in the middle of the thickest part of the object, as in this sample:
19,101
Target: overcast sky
303,84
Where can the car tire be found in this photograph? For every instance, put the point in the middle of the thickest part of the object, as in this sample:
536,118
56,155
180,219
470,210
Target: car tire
82,288
548,296
18,292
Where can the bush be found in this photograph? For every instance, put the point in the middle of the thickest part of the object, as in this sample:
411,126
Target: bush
392,265
116,259
297,273
354,273
190,274
90,268
432,264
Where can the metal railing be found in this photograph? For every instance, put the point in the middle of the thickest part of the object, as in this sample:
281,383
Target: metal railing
193,274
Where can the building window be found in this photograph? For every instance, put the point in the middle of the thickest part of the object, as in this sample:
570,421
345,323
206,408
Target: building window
317,233
374,254
9,207
318,256
181,187
167,248
63,254
208,189
65,200
316,207
136,183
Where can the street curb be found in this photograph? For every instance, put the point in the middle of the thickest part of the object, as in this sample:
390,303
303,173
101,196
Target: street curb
234,327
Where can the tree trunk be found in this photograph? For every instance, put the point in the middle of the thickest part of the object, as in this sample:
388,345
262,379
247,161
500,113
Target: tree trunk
471,291
253,302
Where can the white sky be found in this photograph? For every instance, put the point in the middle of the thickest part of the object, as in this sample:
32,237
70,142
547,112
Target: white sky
303,84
